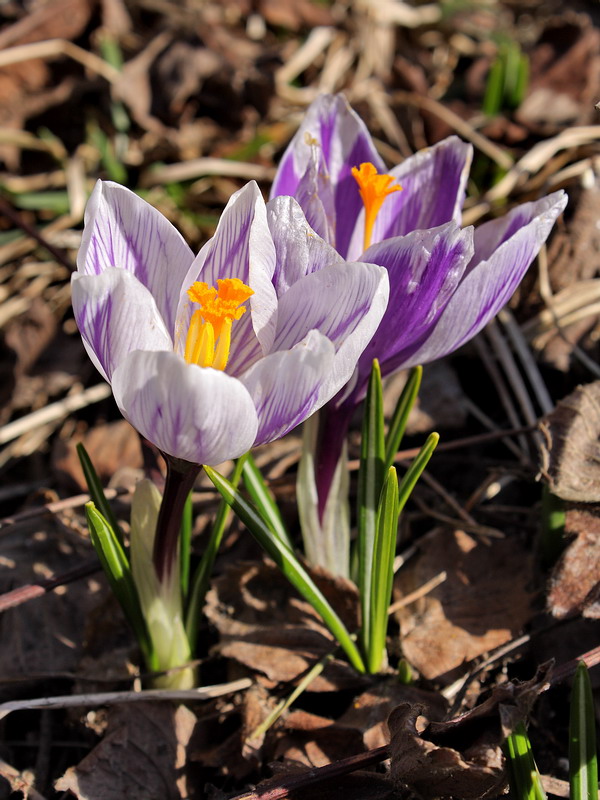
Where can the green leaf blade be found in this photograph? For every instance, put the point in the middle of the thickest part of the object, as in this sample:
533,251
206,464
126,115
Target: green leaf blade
263,500
370,482
288,564
96,491
118,571
383,570
583,759
399,419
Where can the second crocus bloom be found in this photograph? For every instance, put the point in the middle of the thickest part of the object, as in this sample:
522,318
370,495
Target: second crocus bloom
446,283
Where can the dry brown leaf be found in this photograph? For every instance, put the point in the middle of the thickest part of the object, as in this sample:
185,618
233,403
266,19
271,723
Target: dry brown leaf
461,758
576,577
30,333
22,85
565,74
44,636
482,604
111,447
266,626
315,741
571,452
143,754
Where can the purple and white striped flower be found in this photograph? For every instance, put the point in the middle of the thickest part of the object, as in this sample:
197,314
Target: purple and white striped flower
198,374
446,283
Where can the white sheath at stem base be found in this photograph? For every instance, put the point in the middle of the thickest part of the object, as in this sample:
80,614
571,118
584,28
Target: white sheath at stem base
326,541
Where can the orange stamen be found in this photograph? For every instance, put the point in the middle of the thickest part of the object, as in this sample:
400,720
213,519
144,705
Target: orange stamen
373,188
209,334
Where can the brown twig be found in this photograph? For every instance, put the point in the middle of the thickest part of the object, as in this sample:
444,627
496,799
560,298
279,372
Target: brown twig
296,783
30,591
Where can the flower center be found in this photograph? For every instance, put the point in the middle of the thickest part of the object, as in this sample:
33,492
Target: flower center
373,188
209,335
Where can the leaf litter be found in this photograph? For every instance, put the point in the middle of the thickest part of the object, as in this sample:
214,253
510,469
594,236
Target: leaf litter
229,81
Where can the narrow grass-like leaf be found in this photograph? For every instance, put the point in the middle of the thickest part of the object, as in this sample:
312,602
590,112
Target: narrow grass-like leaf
583,761
263,500
407,484
118,571
552,540
522,82
370,482
56,201
400,418
492,98
204,569
185,545
97,492
383,569
523,774
288,564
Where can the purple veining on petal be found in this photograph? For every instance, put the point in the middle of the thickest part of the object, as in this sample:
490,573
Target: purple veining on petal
315,196
198,415
123,231
433,188
286,179
116,314
286,385
424,268
488,285
333,301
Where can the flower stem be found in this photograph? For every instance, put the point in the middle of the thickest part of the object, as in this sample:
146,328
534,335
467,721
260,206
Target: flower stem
180,479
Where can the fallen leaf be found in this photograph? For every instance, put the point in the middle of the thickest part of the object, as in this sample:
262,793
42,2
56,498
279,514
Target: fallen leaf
44,636
482,604
266,626
460,758
315,741
575,580
571,451
23,91
564,69
143,754
30,333
111,446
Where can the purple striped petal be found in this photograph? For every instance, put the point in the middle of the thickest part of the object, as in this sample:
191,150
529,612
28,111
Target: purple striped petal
488,285
242,248
116,314
424,268
345,142
433,191
123,231
200,415
299,250
341,301
285,386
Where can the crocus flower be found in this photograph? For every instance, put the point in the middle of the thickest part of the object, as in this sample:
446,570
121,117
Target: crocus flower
446,283
210,355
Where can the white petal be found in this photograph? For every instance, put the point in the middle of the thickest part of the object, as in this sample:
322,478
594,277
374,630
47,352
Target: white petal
241,248
199,415
299,250
116,314
122,230
285,386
